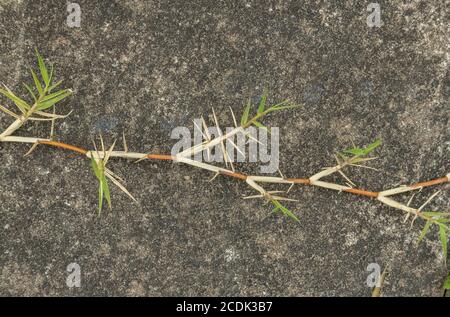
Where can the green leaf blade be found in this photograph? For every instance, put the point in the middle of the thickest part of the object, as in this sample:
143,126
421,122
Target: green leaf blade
357,151
284,210
55,94
245,114
96,169
443,237
283,106
106,190
262,103
21,104
290,214
100,198
52,69
30,92
43,69
424,231
37,83
261,126
371,147
54,85
59,96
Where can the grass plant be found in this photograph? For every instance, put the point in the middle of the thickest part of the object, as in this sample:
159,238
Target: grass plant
44,94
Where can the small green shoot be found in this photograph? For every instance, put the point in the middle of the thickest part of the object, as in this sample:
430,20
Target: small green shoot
424,230
284,210
262,103
439,219
103,188
43,68
41,95
244,117
20,103
360,152
103,174
262,111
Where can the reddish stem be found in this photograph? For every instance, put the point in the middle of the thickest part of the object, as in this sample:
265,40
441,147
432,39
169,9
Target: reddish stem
243,177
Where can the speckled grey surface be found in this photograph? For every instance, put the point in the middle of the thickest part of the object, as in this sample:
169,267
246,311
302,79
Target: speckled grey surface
145,67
